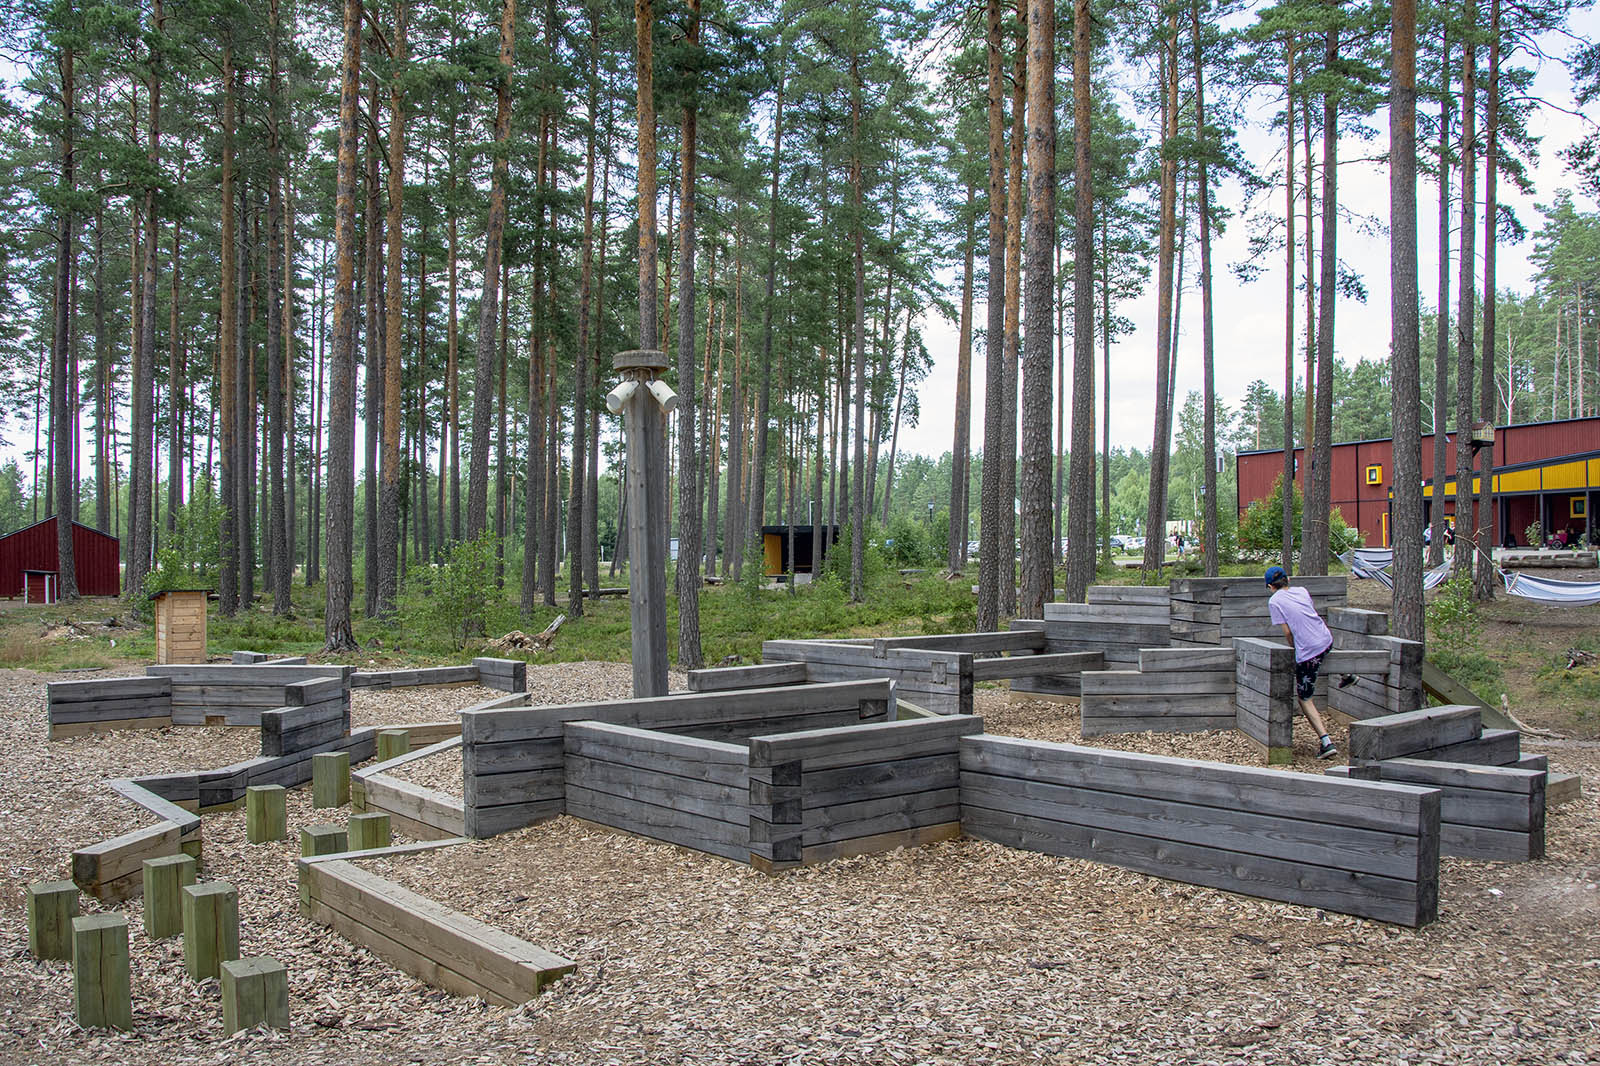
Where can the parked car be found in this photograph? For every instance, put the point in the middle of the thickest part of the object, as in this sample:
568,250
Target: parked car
1119,542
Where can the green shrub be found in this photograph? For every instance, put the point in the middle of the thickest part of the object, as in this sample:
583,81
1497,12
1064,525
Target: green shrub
1261,529
454,598
1454,625
190,557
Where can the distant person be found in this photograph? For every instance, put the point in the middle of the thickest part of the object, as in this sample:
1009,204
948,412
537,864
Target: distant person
1177,538
1292,609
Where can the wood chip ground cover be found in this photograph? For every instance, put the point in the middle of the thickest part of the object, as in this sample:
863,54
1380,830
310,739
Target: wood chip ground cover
964,952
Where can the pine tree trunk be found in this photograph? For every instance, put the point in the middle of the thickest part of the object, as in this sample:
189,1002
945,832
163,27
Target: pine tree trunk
63,398
142,430
1080,490
389,486
102,380
1405,367
1315,519
1441,355
483,374
1207,333
1484,576
688,568
758,462
176,372
577,510
991,552
1467,289
339,634
961,448
1155,527
278,564
1008,395
858,497
1286,555
228,337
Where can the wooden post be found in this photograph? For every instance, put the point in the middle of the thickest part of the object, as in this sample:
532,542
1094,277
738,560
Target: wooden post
323,840
210,927
164,881
255,991
101,997
393,743
368,831
266,814
330,779
52,905
647,520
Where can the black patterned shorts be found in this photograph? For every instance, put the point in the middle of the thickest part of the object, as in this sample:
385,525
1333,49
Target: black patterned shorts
1305,675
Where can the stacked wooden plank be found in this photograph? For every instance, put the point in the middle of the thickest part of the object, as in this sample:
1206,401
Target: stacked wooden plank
1174,690
682,790
74,708
1129,595
1118,631
1363,848
1393,691
422,812
1214,610
314,712
938,680
507,675
430,675
760,675
513,759
433,943
233,695
831,793
1264,695
113,870
1494,798
225,785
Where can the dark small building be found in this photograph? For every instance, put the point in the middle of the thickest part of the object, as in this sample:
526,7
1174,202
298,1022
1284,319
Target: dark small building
775,548
1545,472
28,561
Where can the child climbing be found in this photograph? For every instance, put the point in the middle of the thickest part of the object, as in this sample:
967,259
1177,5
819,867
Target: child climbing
1305,631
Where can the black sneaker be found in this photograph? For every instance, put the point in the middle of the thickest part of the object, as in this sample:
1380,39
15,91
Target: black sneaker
1328,750
1347,680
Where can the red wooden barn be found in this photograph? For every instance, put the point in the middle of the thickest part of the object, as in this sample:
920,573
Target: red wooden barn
32,550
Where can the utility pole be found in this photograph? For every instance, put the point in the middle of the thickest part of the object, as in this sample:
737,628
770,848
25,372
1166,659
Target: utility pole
643,399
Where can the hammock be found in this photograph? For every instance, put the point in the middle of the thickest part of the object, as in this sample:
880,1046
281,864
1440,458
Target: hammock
1374,563
1550,592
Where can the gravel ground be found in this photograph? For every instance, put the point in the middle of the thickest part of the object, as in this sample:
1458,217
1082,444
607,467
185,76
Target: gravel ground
963,952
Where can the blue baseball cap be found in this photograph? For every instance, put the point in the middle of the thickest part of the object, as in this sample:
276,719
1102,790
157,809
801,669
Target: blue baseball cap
1276,574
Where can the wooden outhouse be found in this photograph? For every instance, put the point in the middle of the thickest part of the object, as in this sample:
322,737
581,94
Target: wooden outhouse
180,625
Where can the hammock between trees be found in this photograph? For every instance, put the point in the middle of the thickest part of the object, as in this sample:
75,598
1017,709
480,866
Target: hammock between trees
1374,563
1550,592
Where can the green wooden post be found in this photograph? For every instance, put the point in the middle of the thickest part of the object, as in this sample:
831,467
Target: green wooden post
210,927
164,879
254,991
323,840
368,831
330,779
393,743
265,813
51,907
100,993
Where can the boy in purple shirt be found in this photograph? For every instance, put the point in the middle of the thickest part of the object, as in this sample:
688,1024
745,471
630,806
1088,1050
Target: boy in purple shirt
1305,631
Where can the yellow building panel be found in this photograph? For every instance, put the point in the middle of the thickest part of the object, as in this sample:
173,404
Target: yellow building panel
1519,481
1565,476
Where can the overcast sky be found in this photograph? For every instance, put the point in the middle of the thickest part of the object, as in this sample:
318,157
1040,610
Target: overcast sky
1249,317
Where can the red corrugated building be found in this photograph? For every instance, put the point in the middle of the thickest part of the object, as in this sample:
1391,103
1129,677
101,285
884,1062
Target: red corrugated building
1545,472
32,549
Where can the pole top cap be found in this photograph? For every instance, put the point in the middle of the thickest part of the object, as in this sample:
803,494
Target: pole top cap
640,359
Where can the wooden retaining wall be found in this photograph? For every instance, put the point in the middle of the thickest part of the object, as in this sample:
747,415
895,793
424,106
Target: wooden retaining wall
223,787
1118,631
1174,690
832,793
74,708
421,812
513,759
1394,691
234,695
936,679
1214,610
436,945
1356,847
507,675
315,712
682,790
1264,697
1485,812
113,870
430,675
